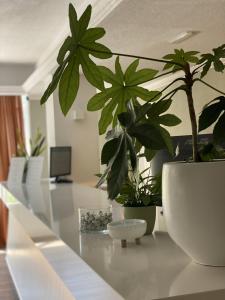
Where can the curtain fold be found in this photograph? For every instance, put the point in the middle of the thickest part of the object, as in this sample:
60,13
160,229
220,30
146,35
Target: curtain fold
11,122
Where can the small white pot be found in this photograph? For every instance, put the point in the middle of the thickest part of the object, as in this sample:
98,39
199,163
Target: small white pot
194,206
130,229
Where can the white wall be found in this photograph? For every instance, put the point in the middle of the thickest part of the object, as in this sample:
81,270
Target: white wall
82,135
14,74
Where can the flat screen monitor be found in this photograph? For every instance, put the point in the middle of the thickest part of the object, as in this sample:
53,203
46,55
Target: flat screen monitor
60,161
185,151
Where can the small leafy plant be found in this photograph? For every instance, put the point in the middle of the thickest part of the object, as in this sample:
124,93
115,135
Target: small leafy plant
37,145
140,189
135,116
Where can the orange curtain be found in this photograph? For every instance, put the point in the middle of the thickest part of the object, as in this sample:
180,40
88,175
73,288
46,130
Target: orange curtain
11,121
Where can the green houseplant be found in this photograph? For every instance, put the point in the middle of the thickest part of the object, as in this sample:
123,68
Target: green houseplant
140,193
37,147
138,111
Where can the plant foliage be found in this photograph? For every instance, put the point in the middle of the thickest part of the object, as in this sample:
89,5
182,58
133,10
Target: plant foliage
137,117
75,52
124,87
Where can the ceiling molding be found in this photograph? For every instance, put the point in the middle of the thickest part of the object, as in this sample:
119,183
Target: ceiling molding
47,62
11,90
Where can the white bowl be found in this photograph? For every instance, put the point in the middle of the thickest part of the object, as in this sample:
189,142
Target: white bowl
127,229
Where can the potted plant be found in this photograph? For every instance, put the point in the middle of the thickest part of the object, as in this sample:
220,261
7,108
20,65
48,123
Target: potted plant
37,147
193,192
139,195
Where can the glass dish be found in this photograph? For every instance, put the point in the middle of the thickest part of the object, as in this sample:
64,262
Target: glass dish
94,219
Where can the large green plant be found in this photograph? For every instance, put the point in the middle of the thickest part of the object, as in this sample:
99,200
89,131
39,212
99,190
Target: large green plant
120,97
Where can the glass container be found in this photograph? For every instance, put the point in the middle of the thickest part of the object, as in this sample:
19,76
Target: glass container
94,219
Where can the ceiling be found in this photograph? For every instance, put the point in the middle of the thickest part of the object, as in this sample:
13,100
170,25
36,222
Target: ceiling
27,27
145,27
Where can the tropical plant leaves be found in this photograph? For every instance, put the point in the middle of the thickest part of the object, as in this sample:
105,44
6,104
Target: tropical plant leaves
117,153
149,154
79,47
148,135
219,130
214,111
179,59
208,59
169,120
124,88
69,84
65,48
109,150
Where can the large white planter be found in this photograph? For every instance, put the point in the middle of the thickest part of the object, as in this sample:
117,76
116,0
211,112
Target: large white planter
194,206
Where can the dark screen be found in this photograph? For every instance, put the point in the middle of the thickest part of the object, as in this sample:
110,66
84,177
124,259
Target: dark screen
60,161
185,151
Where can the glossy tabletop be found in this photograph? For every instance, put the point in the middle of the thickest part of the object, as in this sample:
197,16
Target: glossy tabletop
155,269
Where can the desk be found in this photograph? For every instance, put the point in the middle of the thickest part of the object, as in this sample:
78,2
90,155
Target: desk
58,262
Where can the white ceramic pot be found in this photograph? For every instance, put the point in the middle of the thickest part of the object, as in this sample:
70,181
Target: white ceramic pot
194,207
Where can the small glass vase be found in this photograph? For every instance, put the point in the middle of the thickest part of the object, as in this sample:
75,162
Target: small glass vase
94,219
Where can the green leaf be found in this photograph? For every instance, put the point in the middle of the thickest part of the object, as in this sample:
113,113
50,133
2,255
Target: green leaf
92,34
205,69
118,71
180,58
84,21
79,45
52,86
108,75
191,53
131,69
91,71
106,117
208,59
169,120
74,25
119,92
149,154
103,53
167,140
209,115
159,107
133,156
99,100
218,65
109,150
137,91
66,46
69,84
141,76
118,172
125,119
96,102
121,199
219,130
148,135
146,199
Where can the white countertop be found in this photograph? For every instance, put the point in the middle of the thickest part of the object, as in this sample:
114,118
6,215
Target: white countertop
155,269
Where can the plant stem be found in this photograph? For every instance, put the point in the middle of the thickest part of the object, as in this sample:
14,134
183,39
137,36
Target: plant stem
210,86
133,56
192,114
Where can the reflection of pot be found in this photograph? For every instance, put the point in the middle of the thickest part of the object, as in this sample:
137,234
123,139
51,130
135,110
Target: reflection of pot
197,278
120,258
146,213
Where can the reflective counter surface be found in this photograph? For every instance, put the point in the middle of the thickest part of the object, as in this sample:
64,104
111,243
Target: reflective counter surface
155,269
